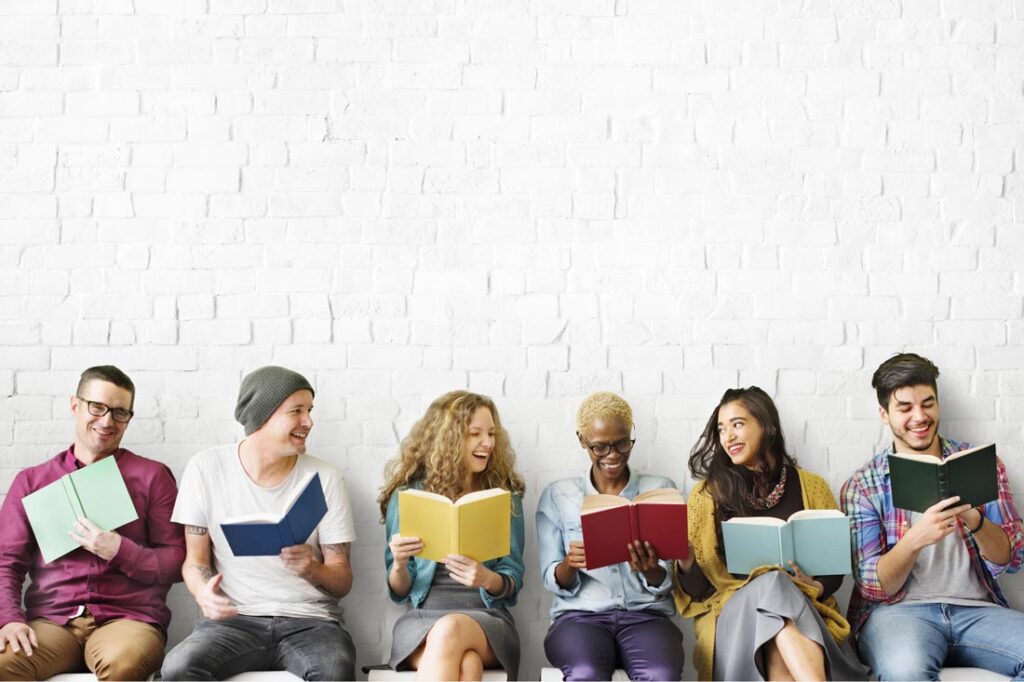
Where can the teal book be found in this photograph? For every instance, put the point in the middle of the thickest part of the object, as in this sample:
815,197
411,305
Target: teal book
919,481
96,491
818,540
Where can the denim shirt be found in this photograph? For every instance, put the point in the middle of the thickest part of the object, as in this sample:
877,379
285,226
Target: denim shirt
602,589
422,570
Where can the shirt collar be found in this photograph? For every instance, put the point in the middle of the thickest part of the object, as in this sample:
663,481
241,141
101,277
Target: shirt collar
70,463
629,492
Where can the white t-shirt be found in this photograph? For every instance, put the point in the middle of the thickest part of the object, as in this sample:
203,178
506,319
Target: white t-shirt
215,487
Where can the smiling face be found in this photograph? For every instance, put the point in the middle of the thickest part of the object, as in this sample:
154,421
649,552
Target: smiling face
479,441
611,469
286,431
913,416
97,437
740,434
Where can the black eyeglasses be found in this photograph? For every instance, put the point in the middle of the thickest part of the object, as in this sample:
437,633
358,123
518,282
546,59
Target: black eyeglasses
623,447
96,409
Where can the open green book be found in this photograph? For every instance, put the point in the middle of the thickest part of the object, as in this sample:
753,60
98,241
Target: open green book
96,491
919,481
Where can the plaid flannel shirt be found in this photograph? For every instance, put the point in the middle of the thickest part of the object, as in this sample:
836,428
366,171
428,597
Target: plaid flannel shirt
876,526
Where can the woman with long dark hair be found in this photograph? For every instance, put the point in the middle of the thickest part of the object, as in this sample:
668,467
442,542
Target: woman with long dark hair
770,624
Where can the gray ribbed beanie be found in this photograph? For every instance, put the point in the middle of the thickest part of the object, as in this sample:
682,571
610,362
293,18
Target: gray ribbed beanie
263,390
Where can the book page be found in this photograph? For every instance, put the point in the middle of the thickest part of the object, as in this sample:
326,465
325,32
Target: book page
660,496
594,503
470,498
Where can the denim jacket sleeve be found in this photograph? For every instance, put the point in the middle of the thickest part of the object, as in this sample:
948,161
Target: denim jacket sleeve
550,544
511,564
390,528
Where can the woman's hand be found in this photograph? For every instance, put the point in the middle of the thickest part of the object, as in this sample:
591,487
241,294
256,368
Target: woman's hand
576,558
801,577
643,558
684,565
403,549
472,573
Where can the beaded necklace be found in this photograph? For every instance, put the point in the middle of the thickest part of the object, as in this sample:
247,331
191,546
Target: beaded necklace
772,498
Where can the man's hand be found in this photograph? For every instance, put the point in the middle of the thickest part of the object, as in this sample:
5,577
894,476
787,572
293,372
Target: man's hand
938,521
19,636
102,543
299,559
212,601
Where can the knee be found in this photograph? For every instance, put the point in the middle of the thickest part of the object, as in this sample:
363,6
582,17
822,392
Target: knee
179,664
586,670
905,667
471,667
126,663
334,665
664,669
448,634
15,666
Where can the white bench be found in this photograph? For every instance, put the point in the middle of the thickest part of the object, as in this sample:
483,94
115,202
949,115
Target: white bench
254,676
555,675
379,675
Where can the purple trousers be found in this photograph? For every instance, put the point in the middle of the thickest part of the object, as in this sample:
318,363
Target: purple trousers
588,645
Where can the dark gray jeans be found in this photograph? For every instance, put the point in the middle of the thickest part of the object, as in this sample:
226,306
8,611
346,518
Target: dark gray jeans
311,648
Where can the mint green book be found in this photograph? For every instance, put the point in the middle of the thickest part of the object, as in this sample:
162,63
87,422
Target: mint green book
96,491
818,540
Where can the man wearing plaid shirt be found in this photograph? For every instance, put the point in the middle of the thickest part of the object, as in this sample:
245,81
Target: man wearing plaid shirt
927,594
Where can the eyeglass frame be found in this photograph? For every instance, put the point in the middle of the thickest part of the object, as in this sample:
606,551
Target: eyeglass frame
610,446
106,409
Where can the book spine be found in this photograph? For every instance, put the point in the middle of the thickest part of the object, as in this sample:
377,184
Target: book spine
634,523
69,489
456,536
943,478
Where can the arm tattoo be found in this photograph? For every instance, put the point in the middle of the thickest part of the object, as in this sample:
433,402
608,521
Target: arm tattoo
205,571
338,548
195,530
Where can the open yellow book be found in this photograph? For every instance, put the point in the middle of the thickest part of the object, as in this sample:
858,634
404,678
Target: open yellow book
477,525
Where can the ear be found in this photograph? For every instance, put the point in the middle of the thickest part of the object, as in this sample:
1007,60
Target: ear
579,437
75,402
883,414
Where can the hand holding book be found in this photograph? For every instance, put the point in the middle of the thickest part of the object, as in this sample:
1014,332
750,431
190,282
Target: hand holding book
103,544
936,522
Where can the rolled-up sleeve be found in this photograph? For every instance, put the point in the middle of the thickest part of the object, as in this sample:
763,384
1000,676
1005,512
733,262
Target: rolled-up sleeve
1003,512
551,545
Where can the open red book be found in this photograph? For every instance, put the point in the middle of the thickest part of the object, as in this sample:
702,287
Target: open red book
611,522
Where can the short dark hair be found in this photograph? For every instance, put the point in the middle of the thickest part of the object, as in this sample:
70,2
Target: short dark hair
107,373
903,369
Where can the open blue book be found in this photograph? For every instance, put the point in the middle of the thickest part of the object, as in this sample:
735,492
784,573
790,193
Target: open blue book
818,540
263,535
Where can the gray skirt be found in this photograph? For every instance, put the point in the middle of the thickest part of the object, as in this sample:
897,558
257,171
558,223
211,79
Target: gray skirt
447,596
756,613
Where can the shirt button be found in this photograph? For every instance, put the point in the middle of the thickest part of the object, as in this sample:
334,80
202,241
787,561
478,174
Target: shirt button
615,570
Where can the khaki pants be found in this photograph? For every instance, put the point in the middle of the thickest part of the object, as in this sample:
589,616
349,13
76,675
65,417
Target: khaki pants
117,650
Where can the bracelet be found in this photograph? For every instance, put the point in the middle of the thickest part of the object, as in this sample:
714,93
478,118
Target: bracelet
981,523
507,586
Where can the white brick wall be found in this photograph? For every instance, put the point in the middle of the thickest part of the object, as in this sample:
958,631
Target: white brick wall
533,199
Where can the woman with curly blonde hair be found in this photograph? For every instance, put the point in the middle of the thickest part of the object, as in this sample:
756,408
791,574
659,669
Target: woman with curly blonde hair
459,623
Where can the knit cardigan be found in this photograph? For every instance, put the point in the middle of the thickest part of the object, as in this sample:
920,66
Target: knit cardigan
701,516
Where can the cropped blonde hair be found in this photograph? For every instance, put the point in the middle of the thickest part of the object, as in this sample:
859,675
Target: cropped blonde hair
433,451
605,406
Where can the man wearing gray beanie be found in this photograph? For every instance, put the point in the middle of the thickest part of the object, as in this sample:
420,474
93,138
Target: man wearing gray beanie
265,611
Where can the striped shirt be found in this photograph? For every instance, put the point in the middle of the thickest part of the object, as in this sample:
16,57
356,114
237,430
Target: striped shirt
876,526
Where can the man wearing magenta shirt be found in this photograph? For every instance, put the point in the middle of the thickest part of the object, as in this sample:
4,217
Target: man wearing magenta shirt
101,607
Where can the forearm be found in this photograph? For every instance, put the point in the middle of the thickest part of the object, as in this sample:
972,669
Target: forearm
196,575
399,579
693,581
894,566
565,575
993,542
335,579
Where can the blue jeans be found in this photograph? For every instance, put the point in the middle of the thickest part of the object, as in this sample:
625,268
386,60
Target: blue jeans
914,641
310,648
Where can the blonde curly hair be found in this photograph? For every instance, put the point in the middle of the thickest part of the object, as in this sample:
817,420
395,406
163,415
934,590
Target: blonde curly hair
433,451
606,406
